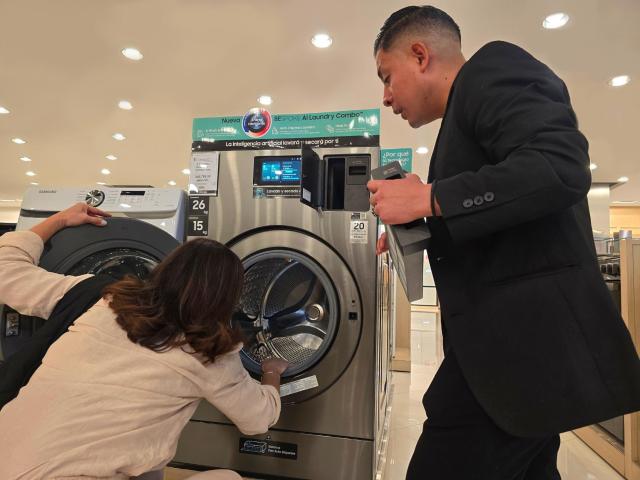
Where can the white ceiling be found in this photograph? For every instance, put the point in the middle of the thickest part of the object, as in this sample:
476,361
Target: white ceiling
62,75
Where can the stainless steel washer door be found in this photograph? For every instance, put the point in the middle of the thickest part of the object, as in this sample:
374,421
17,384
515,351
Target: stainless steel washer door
288,309
299,302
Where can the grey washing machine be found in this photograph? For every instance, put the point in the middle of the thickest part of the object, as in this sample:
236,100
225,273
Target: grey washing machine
316,295
148,223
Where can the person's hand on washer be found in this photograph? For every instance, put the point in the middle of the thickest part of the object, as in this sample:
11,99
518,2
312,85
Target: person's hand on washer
272,369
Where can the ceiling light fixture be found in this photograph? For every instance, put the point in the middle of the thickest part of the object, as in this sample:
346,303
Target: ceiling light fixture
4,110
172,183
31,174
18,141
186,171
118,136
105,171
265,100
101,183
593,166
132,53
555,20
321,40
623,179
422,150
620,81
35,183
25,159
111,157
125,105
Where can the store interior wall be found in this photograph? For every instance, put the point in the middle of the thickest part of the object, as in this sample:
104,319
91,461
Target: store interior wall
626,218
599,199
9,215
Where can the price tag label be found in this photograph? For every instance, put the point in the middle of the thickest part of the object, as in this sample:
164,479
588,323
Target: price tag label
204,173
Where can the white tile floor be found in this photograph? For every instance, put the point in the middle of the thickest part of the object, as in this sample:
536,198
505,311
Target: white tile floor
576,461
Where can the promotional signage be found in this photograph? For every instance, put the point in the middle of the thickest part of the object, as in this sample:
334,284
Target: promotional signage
402,155
261,130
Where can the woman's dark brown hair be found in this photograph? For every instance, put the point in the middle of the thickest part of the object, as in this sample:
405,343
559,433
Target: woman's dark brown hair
187,300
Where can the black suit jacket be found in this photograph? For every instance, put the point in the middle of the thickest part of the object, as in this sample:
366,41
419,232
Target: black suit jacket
524,306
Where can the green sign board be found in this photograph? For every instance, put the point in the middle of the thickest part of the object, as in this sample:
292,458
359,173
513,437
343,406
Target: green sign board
258,128
402,155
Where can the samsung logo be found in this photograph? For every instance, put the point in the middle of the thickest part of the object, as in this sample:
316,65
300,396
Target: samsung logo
47,191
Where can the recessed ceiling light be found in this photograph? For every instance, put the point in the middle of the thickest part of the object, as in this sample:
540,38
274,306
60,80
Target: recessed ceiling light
19,141
118,136
4,110
186,171
31,174
556,20
25,159
422,150
619,81
111,157
623,179
132,53
593,166
172,183
101,183
105,171
35,183
321,40
265,100
125,105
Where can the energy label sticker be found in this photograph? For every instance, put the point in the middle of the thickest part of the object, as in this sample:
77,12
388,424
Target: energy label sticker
359,230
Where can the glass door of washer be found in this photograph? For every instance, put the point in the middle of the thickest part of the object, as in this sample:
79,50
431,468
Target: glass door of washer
288,309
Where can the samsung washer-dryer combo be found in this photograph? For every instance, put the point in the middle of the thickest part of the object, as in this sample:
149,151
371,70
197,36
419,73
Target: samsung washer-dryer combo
316,295
148,224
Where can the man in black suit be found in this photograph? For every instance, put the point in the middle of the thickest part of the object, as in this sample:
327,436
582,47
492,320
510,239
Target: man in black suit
534,345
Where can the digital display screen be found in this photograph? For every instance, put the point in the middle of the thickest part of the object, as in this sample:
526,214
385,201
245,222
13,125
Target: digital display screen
277,170
132,192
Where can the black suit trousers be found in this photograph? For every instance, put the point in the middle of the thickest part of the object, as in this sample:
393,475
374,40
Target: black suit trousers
460,442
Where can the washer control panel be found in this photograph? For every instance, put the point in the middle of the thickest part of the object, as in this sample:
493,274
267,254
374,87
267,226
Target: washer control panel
107,198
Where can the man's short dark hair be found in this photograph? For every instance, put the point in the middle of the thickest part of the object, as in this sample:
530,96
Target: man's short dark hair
425,17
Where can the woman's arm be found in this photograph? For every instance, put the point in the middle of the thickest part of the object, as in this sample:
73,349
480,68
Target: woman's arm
26,287
272,369
79,214
252,407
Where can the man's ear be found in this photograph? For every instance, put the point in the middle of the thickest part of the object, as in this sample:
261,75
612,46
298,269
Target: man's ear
420,53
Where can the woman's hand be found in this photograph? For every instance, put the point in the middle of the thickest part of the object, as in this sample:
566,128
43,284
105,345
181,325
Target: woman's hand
272,368
78,214
274,365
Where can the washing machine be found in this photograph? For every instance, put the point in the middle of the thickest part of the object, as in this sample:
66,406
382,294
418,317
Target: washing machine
314,294
148,224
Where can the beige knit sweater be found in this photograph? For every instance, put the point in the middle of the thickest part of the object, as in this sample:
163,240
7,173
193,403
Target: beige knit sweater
101,406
